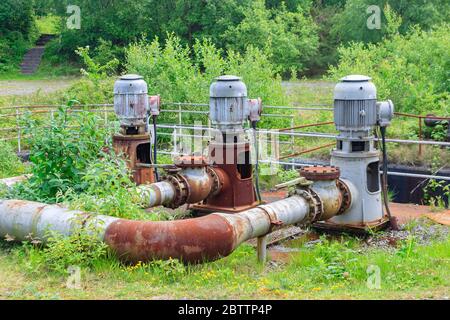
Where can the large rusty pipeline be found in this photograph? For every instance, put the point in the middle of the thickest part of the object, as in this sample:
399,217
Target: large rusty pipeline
192,240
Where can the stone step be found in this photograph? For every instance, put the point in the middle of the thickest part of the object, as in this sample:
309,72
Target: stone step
32,59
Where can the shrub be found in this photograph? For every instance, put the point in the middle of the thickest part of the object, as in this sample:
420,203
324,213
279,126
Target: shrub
61,150
182,74
12,47
109,190
80,249
333,260
10,164
351,23
412,70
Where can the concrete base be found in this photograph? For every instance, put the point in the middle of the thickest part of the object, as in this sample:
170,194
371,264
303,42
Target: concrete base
359,229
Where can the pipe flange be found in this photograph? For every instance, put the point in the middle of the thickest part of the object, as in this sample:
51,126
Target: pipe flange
315,204
272,215
182,191
320,173
346,197
217,184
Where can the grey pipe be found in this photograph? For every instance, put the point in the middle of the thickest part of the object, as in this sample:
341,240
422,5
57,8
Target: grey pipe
191,240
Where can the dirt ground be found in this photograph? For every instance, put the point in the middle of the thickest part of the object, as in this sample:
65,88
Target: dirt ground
25,87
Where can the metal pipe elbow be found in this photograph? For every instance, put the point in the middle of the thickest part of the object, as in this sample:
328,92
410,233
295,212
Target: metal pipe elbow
196,240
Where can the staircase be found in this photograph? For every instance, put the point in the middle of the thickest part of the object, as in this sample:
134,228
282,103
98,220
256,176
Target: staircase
32,58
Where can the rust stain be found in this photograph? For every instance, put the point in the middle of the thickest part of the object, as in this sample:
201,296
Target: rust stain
128,145
192,240
440,217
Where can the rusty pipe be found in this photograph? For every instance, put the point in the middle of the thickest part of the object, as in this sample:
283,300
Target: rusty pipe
156,194
192,240
189,184
330,196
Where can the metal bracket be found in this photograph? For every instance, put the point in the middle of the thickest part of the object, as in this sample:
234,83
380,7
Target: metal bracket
302,182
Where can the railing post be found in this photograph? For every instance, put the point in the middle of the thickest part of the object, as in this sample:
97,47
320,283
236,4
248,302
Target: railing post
19,133
180,120
420,136
292,137
105,115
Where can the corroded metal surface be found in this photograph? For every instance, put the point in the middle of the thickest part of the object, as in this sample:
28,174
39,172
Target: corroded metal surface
330,196
191,161
187,184
346,196
192,240
156,194
200,183
239,192
315,173
136,150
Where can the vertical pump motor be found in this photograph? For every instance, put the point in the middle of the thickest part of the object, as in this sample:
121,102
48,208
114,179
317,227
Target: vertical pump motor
131,103
357,113
132,106
230,150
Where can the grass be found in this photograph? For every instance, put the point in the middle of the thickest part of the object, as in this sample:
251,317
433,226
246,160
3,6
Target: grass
308,274
46,71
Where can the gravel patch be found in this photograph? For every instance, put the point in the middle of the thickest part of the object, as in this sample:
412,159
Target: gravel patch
423,231
26,87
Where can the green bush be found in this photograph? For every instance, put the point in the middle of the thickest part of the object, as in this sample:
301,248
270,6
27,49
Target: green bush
411,70
183,74
12,48
109,190
17,31
81,249
10,164
62,148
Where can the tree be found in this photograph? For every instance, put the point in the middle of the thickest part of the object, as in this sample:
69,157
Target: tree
192,20
351,23
16,16
117,21
289,38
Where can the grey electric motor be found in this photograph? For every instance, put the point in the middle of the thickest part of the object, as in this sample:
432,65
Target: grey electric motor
228,105
131,103
356,114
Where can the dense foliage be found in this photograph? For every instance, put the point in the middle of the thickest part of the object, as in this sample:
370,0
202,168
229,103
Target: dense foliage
412,70
289,38
62,149
351,22
299,36
17,29
10,164
180,73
